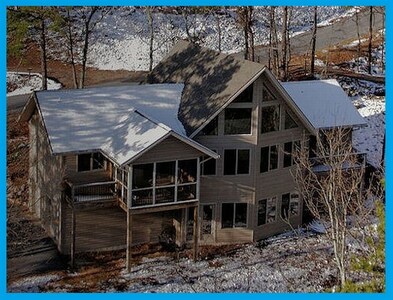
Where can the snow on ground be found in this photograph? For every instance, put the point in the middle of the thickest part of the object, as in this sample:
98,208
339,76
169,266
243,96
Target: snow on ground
370,139
295,261
19,83
122,37
32,284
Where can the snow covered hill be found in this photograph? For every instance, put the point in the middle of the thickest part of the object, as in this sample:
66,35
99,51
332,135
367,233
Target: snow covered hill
121,38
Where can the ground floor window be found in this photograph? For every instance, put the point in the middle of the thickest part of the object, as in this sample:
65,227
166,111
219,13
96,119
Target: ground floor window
234,215
267,210
290,205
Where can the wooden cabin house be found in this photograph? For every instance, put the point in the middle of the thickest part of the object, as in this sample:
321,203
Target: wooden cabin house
203,147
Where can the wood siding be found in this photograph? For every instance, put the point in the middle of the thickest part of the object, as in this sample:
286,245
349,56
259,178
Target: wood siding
255,186
46,173
169,149
106,229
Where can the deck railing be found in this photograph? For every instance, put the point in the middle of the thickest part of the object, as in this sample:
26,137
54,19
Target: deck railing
97,191
353,160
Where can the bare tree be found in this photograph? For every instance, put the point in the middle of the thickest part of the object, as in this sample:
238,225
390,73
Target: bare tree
313,41
370,40
245,21
330,184
359,39
273,41
149,15
283,75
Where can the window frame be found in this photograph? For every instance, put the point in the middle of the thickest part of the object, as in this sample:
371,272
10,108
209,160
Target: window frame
267,201
237,162
238,106
91,162
175,185
294,145
269,105
269,169
234,204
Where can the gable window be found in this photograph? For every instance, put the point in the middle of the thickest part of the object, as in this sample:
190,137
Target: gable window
90,161
289,123
290,149
237,121
209,166
236,161
269,158
234,215
211,128
267,210
270,118
245,96
267,95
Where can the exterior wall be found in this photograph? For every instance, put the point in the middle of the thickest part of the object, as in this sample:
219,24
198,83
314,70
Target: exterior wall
45,180
256,186
106,228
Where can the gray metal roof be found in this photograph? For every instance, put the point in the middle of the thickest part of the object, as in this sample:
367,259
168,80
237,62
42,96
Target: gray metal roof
122,121
324,103
210,79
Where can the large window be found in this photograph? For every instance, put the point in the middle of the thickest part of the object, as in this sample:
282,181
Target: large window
161,182
267,210
237,121
269,158
90,161
270,118
236,161
234,215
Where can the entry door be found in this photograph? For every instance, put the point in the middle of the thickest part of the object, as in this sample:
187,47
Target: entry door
208,223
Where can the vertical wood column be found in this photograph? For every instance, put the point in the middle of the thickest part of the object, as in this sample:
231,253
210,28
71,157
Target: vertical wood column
195,234
73,232
129,240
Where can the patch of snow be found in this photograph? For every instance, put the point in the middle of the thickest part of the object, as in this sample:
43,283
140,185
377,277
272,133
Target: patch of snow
24,83
32,284
370,139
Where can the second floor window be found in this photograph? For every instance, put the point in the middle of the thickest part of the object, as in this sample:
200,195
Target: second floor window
237,121
270,118
269,158
90,161
236,161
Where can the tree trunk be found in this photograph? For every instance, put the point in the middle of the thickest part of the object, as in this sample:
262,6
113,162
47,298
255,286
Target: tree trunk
151,35
44,69
251,33
359,40
86,47
284,45
313,42
71,41
370,39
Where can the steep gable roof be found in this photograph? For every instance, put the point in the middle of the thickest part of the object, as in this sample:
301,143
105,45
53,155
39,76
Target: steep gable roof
324,103
122,122
211,79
